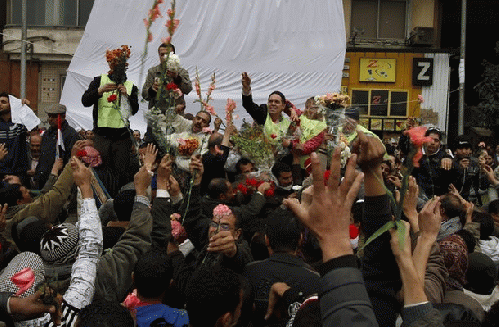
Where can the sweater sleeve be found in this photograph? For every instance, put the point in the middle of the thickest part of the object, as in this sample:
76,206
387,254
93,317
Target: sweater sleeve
91,95
161,228
313,144
257,112
183,81
115,268
343,299
83,273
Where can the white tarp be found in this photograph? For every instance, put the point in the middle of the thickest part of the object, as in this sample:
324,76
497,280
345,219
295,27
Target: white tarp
296,47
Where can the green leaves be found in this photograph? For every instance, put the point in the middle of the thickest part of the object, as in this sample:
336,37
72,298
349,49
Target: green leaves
398,225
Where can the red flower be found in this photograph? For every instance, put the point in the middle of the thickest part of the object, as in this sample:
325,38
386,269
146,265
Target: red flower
171,86
81,153
252,182
243,189
269,192
112,98
418,139
273,136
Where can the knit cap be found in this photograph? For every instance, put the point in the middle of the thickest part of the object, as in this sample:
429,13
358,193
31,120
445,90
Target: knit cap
59,245
23,274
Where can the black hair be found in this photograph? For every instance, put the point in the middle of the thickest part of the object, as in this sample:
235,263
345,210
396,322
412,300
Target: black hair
211,293
240,162
123,204
494,207
434,130
283,98
102,313
4,95
311,99
165,45
189,116
215,139
280,167
283,230
486,224
259,250
10,194
217,187
152,274
468,238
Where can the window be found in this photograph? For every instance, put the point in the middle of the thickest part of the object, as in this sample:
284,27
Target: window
378,19
51,12
381,103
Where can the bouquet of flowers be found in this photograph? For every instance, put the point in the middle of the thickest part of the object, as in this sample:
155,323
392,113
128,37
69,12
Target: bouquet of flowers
187,146
250,185
253,143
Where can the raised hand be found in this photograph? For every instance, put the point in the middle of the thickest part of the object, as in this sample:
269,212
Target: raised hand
328,214
150,156
196,168
82,177
246,81
3,151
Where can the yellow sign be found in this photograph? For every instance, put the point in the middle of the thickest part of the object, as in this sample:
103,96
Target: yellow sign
377,70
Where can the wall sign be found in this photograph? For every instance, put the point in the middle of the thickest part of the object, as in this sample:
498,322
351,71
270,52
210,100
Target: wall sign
377,70
422,71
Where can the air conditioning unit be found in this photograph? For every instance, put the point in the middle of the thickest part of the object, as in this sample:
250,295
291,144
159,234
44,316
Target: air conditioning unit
422,36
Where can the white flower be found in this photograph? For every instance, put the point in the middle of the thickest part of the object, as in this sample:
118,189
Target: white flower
173,63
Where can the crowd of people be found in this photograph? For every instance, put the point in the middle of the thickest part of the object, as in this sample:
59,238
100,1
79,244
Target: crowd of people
106,228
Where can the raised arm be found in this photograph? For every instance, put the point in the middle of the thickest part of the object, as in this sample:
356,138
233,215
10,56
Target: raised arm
326,212
115,268
84,270
257,112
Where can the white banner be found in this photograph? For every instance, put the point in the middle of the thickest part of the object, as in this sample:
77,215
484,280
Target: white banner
296,47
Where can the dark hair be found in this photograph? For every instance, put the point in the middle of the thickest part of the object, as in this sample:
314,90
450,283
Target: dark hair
240,162
468,238
259,250
215,139
280,167
123,204
152,274
189,116
217,187
434,130
486,224
311,99
180,100
10,194
4,95
164,45
211,293
494,206
283,98
283,230
102,313
452,207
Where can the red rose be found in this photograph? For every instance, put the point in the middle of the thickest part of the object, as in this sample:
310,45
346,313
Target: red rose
243,189
252,182
273,136
112,98
171,86
81,153
269,192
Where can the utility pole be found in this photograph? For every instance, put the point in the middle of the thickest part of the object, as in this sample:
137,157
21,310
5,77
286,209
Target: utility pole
462,58
23,51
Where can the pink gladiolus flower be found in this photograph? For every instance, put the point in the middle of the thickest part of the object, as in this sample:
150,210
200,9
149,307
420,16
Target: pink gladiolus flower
166,40
418,139
198,88
420,98
170,13
146,23
149,37
178,93
211,110
236,116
